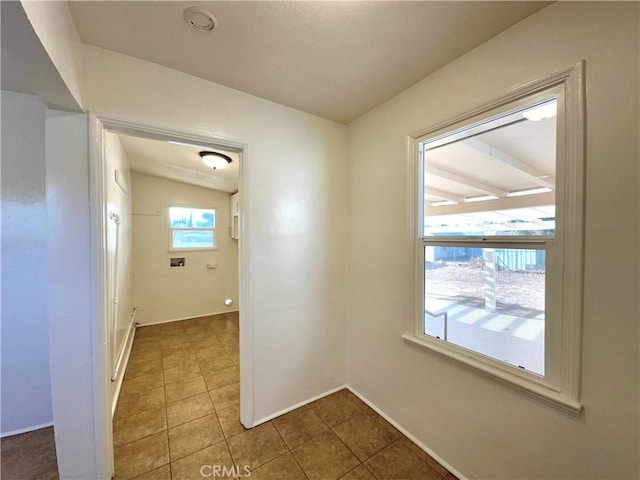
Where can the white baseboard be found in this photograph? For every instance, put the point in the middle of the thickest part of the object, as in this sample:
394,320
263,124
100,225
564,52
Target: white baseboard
297,405
421,445
26,430
123,351
185,318
123,368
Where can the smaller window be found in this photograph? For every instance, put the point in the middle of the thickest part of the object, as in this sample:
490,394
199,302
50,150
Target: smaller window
192,228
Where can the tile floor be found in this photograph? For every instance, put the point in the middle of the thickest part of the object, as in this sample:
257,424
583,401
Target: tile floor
29,456
178,418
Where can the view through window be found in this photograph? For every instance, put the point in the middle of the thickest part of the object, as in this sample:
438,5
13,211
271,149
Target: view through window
489,213
192,228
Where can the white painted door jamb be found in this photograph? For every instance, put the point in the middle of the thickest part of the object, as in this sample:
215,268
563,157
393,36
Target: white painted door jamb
102,367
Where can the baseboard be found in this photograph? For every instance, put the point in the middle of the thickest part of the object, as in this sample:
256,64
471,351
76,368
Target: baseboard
123,368
26,430
123,351
185,318
421,445
298,405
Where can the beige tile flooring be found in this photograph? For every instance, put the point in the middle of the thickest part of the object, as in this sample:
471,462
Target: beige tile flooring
178,418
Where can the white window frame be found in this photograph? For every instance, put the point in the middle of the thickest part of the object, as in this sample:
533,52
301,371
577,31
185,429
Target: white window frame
560,386
197,249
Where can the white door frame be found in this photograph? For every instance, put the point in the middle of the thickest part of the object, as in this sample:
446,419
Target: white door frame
97,195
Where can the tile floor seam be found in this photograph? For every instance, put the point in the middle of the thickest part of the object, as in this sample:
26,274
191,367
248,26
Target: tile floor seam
290,451
306,441
348,448
377,451
166,412
369,470
354,468
226,441
399,439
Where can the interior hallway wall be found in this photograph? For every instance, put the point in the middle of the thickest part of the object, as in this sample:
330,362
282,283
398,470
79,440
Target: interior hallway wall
295,216
78,400
26,386
480,427
163,293
118,197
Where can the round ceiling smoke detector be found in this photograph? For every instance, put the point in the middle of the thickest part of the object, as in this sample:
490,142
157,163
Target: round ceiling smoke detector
200,19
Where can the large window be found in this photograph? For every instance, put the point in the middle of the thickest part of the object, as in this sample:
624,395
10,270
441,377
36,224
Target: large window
498,239
192,228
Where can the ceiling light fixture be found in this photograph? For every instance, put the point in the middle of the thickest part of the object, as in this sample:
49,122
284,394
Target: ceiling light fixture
215,160
200,19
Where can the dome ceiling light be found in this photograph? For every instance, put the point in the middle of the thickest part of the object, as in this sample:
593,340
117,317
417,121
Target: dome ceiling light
215,160
200,19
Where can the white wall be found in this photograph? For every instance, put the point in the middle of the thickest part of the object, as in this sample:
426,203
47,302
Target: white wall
163,293
26,388
483,429
71,328
118,197
295,214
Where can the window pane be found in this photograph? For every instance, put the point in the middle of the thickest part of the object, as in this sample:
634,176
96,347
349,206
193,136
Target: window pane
193,239
491,301
495,178
191,217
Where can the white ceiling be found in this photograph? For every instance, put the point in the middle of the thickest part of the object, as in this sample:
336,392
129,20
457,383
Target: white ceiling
180,163
335,59
26,66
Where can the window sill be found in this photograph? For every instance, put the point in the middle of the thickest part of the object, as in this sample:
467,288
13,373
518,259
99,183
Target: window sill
522,385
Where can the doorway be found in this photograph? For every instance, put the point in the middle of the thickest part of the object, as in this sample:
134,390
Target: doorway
193,243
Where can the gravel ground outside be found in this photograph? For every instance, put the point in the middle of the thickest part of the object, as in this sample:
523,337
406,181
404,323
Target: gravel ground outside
518,293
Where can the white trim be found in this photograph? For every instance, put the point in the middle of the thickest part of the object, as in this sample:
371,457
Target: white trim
563,336
573,232
542,83
245,290
121,355
515,379
181,319
20,431
101,359
119,379
406,433
298,405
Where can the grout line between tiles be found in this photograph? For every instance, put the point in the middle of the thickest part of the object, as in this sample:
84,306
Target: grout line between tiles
289,449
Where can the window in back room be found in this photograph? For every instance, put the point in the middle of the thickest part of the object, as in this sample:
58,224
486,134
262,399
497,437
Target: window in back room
192,228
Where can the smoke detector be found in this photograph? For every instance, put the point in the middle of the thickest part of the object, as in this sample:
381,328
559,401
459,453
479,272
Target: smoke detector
200,19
